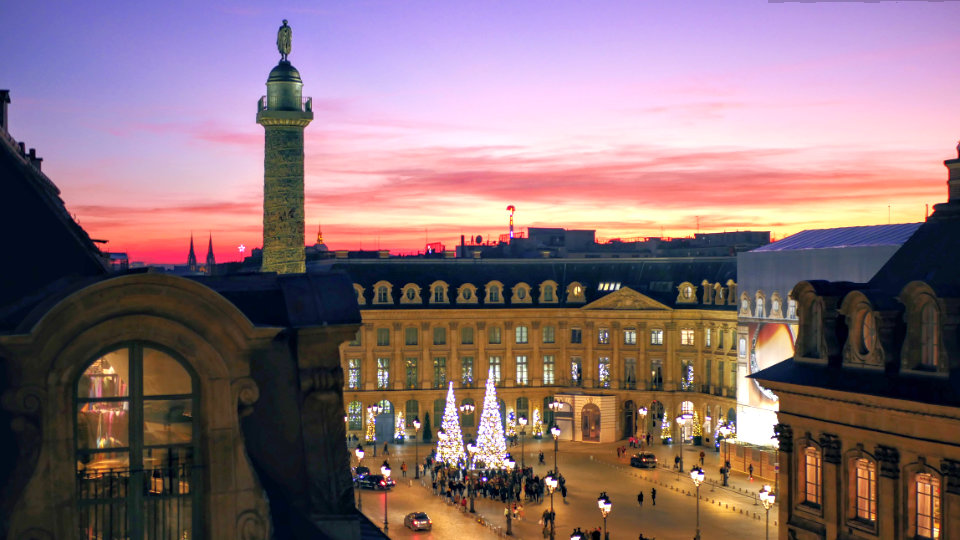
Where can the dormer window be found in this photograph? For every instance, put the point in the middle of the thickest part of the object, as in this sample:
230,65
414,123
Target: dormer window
575,292
359,290
548,293
411,294
467,294
521,294
494,293
383,295
437,295
438,292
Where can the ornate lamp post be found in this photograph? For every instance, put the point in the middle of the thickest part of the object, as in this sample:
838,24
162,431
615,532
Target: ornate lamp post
767,498
642,411
385,469
416,447
696,474
509,464
375,410
466,408
359,452
555,431
472,487
603,502
522,421
681,422
551,484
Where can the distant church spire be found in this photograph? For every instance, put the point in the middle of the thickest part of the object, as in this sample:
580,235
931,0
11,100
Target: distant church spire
211,262
319,234
191,257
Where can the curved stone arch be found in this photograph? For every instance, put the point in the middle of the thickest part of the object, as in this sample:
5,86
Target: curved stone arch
488,292
745,308
467,294
441,287
760,304
909,486
915,297
358,290
162,311
686,293
549,292
857,350
520,294
379,288
776,305
410,294
576,292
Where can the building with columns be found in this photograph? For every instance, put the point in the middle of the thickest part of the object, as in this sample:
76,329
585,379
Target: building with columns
869,419
605,336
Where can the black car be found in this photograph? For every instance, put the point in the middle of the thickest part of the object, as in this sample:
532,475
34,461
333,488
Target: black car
361,471
644,460
375,481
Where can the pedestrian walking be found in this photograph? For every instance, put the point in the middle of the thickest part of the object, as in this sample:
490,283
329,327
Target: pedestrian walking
701,457
653,496
386,450
640,499
541,457
751,472
676,461
403,468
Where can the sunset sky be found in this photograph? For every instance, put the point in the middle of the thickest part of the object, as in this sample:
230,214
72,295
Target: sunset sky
628,117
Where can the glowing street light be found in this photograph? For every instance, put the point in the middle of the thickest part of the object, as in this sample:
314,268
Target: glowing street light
523,431
603,502
555,431
551,483
642,411
767,498
472,487
385,470
416,446
681,422
359,452
696,474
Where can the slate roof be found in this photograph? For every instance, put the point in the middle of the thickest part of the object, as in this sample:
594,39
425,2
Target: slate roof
843,237
656,278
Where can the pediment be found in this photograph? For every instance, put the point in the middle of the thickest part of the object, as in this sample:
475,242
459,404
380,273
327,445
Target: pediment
626,299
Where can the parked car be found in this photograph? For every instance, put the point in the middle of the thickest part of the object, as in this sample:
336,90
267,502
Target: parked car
644,460
375,481
417,521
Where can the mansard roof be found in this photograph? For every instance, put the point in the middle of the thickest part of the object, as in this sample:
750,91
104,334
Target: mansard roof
655,278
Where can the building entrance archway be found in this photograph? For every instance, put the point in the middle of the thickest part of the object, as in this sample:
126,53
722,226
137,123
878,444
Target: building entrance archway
590,423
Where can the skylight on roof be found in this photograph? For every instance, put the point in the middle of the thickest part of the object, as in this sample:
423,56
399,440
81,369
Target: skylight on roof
608,286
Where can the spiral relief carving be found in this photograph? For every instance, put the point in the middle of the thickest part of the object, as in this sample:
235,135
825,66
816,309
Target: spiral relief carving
26,400
251,526
247,393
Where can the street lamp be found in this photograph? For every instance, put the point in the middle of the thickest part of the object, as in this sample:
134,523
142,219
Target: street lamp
681,421
359,452
551,484
696,474
555,431
416,447
385,469
467,408
603,502
509,464
472,488
523,431
642,411
767,498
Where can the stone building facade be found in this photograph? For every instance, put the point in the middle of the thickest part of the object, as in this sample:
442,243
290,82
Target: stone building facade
869,420
546,329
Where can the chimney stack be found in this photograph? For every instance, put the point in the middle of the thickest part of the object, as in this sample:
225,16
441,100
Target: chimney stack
4,119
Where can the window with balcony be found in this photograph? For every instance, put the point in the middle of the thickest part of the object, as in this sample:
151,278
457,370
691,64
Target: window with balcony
656,336
466,371
522,371
383,373
576,371
549,363
439,372
411,373
603,372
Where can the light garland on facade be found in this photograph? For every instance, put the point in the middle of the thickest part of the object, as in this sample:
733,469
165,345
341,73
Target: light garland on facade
697,426
491,446
398,432
371,434
450,445
537,424
511,424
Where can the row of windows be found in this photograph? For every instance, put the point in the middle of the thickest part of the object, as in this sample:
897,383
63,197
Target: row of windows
468,293
409,371
411,336
411,411
861,493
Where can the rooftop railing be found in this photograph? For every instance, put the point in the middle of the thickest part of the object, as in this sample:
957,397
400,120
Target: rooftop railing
306,105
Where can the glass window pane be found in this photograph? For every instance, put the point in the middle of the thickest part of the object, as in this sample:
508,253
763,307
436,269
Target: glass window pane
169,470
162,375
103,424
107,376
167,421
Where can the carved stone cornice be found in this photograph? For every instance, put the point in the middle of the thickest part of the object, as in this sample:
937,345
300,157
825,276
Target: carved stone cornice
424,326
507,325
951,470
831,448
481,325
397,326
615,325
784,434
889,458
454,325
535,325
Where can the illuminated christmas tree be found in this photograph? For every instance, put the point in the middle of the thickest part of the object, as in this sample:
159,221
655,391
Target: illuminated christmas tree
665,429
371,434
491,446
398,432
511,424
450,445
697,426
537,424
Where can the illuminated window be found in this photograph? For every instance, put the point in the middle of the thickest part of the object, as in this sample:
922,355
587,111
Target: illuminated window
495,367
603,367
811,476
656,337
439,335
411,335
355,416
466,371
630,336
522,371
411,369
466,335
603,336
439,372
382,295
686,336
383,337
930,337
548,369
928,506
383,373
866,490
759,310
607,286
353,374
576,371
493,335
707,338
576,335
686,376
548,334
521,334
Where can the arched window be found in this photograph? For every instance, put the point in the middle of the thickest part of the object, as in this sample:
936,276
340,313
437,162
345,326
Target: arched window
548,293
865,490
382,295
494,293
929,337
809,474
927,488
137,425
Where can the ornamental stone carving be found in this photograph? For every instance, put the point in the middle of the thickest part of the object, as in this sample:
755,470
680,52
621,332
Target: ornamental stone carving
889,459
831,448
784,435
951,471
